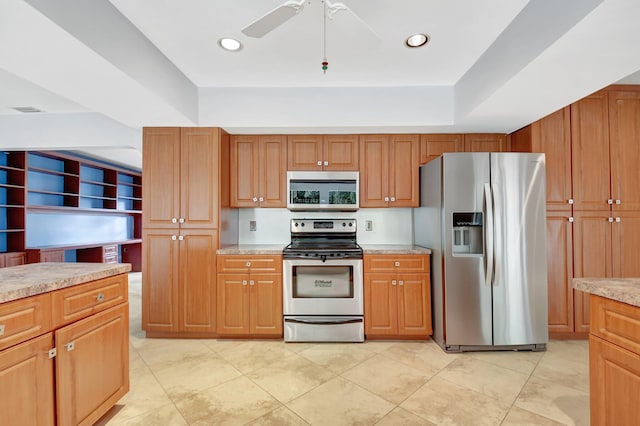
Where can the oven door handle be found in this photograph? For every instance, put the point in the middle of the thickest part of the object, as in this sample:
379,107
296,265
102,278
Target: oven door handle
324,321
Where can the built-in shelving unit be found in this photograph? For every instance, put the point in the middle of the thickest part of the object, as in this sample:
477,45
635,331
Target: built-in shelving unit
68,202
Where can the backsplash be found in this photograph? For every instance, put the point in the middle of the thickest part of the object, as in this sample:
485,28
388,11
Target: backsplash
389,226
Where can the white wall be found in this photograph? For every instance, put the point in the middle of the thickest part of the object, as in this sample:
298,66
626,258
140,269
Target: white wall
390,226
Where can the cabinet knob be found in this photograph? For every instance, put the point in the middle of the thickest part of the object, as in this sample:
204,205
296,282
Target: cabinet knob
397,263
319,163
326,163
70,346
400,282
261,199
181,238
393,282
617,220
255,199
1,329
610,219
617,201
181,220
100,297
244,282
570,201
174,220
393,199
571,219
251,282
248,264
173,238
609,201
386,199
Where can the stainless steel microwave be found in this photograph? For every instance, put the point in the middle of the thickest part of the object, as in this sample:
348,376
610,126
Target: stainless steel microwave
312,191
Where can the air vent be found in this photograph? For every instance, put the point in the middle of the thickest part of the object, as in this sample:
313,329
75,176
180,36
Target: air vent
27,109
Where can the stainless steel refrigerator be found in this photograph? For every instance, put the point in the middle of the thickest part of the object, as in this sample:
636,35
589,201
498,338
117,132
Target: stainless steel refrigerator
483,216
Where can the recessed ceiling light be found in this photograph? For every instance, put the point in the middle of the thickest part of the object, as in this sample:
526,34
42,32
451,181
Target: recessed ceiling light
230,44
416,40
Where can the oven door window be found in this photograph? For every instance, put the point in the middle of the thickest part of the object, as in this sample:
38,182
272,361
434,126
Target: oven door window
322,281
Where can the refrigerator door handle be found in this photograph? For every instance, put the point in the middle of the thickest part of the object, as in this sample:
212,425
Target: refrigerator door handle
488,235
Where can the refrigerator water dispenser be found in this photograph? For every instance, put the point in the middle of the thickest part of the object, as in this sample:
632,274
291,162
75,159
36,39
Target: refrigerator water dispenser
467,233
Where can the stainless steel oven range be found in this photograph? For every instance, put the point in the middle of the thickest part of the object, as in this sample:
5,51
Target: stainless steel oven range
323,285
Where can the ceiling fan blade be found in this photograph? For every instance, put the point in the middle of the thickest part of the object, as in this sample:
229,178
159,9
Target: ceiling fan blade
335,7
273,19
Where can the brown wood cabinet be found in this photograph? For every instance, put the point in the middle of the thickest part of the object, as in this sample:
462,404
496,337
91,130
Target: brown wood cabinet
614,362
560,271
432,146
258,171
397,296
389,170
64,355
485,142
12,259
184,184
249,295
322,152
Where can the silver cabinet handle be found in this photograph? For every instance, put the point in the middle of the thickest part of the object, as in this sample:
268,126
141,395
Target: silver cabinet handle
173,238
248,264
70,346
386,199
570,200
400,282
571,219
181,220
610,220
617,201
1,329
252,282
393,282
326,163
181,238
100,297
393,199
397,263
261,199
254,199
617,220
174,220
609,201
244,282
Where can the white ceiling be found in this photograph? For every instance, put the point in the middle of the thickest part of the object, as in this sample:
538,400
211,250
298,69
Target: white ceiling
103,69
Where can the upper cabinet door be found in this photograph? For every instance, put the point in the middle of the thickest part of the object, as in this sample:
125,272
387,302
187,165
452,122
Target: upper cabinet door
403,172
272,174
244,171
374,171
161,175
199,165
432,146
624,131
340,152
485,142
305,152
552,135
590,153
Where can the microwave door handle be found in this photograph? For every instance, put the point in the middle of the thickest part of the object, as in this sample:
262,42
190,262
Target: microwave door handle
324,321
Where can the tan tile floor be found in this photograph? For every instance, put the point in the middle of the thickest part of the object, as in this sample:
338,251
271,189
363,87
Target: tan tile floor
238,382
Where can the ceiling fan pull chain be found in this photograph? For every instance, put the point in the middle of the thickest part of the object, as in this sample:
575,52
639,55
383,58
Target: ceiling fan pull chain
325,63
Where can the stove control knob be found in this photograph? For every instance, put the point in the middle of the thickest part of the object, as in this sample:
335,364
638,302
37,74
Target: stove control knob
302,224
344,224
295,224
350,223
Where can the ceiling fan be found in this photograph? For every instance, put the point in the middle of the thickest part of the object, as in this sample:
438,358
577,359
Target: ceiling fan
287,10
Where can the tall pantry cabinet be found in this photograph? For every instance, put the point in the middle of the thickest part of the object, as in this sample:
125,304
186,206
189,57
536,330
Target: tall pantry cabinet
593,205
183,182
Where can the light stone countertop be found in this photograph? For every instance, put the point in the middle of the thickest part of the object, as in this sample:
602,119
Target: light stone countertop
252,249
21,281
625,290
394,249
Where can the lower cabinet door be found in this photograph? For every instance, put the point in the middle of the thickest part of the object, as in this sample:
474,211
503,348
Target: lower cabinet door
266,304
27,383
380,304
614,384
92,367
233,304
414,316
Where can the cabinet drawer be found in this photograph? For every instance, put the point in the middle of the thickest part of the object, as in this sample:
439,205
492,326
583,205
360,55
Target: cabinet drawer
112,258
242,264
396,263
110,250
616,322
77,302
23,319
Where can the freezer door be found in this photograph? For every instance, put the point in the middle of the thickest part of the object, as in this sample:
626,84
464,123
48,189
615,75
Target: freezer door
467,295
520,276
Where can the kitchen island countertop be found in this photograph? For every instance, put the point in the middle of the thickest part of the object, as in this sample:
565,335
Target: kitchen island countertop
21,281
252,249
625,290
394,249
